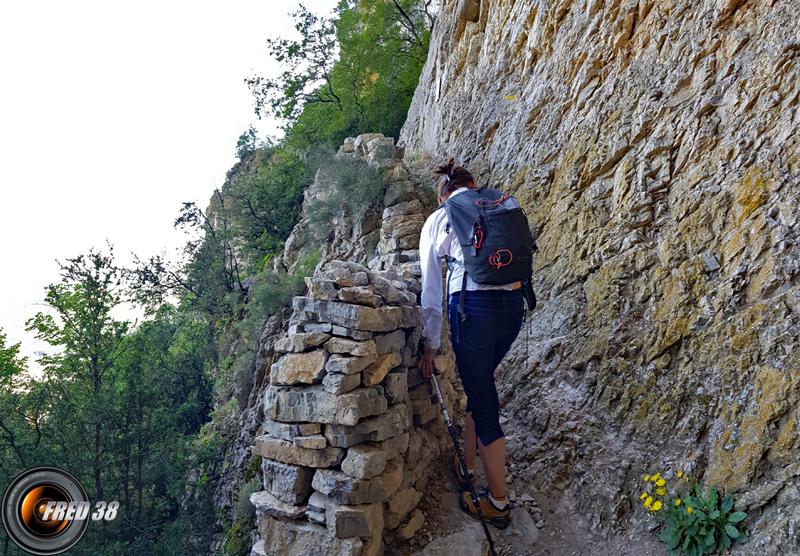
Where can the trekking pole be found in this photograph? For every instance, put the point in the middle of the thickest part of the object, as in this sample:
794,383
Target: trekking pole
451,428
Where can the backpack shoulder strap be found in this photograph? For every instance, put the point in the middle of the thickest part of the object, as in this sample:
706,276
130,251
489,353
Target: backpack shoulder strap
462,212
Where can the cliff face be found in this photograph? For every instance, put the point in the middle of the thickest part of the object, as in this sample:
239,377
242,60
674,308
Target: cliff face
654,146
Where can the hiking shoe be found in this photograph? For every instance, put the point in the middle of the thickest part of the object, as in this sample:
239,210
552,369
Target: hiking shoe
499,518
459,473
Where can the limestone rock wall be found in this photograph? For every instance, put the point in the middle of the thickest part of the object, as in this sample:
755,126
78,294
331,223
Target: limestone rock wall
655,147
349,426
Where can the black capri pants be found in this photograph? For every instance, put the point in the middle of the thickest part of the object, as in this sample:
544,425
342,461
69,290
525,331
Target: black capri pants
494,319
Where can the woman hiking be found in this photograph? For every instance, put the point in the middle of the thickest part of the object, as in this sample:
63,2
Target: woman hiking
494,315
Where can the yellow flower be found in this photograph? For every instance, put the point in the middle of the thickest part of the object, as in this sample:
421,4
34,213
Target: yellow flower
689,509
656,506
678,501
643,496
646,478
680,474
648,502
661,483
655,477
661,491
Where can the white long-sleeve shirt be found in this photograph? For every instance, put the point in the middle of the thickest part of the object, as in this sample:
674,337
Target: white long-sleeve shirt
434,243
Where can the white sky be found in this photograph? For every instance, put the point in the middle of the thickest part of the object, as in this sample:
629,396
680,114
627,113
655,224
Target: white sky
111,115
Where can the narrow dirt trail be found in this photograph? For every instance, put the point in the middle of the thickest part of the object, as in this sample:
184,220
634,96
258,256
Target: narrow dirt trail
450,532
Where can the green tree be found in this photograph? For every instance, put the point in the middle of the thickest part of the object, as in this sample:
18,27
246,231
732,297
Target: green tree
89,339
306,63
208,277
247,143
266,198
21,410
353,72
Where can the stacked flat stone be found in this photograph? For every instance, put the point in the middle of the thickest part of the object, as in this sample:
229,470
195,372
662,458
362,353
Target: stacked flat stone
350,427
400,229
403,213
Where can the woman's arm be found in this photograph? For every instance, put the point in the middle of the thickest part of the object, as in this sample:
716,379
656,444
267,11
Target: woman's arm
431,297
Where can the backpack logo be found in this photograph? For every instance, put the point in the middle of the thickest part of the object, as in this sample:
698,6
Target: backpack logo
500,258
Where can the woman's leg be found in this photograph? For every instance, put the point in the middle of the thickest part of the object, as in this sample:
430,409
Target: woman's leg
473,347
493,457
470,441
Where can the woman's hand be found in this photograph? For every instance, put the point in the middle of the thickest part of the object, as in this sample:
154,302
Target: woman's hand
426,362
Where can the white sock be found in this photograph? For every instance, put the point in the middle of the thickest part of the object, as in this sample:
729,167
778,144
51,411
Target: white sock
500,504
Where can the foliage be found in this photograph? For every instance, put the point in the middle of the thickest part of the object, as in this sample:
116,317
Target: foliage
22,409
352,72
696,523
208,278
253,469
271,291
350,187
265,199
116,406
267,295
91,343
11,364
243,506
247,143
237,538
246,223
237,535
306,62
305,267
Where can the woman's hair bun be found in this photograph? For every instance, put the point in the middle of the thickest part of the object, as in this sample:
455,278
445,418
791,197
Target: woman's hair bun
453,177
445,169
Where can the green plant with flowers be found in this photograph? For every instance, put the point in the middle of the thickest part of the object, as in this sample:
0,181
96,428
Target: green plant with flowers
696,523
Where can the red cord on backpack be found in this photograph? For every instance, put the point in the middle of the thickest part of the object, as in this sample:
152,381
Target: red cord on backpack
488,203
500,258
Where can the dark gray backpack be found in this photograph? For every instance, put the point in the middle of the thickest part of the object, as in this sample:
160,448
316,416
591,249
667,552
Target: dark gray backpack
496,240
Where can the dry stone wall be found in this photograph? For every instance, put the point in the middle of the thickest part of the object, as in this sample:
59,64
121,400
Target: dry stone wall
655,147
350,426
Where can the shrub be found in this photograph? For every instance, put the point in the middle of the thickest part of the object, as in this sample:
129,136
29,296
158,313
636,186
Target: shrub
253,469
305,267
237,535
237,538
351,187
269,294
244,509
264,197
